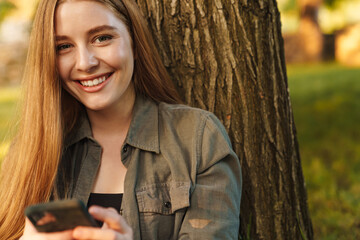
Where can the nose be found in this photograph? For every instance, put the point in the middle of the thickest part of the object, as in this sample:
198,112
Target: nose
86,60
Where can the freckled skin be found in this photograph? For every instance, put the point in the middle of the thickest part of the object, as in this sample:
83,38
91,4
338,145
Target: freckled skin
82,54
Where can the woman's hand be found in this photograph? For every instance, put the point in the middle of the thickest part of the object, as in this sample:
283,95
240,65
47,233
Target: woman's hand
30,233
114,228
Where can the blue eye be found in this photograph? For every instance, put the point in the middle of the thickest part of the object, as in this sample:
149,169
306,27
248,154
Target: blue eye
62,47
103,38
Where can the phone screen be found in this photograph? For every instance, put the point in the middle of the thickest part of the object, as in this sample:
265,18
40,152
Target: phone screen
59,216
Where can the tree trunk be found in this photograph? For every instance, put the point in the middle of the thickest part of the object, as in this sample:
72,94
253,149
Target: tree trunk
227,57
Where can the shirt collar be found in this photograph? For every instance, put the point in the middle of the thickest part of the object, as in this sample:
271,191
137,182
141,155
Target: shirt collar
143,131
144,128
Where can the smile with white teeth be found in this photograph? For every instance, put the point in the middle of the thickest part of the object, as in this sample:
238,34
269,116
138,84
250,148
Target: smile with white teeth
92,83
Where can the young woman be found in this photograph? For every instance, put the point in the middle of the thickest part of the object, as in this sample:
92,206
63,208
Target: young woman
102,123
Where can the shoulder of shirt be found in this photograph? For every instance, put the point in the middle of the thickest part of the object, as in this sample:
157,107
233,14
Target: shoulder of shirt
179,115
183,110
188,126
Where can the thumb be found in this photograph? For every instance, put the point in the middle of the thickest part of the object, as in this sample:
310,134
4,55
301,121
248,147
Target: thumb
29,227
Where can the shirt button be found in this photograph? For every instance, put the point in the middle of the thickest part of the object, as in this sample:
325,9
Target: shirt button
167,204
125,149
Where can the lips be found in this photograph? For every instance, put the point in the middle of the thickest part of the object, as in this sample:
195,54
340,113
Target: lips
94,81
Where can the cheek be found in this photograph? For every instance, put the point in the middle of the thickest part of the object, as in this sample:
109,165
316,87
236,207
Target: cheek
112,57
118,56
63,67
125,62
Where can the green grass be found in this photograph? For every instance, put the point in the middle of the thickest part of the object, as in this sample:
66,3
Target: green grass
8,100
326,106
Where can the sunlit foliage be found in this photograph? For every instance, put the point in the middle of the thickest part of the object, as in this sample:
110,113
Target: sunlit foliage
5,8
327,115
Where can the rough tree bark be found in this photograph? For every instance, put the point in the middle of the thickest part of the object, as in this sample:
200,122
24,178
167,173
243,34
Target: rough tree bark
227,57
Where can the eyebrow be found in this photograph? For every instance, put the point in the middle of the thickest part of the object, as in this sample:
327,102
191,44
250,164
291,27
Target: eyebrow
91,31
100,29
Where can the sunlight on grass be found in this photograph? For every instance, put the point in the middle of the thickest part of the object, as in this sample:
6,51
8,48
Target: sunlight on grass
9,93
326,106
4,147
8,99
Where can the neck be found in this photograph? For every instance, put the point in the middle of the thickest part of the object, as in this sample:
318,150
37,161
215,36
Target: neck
112,121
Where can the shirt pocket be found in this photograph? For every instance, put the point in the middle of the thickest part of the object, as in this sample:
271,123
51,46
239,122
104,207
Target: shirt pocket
158,204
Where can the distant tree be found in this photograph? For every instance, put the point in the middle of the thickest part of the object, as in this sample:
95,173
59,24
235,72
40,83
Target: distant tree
308,44
309,34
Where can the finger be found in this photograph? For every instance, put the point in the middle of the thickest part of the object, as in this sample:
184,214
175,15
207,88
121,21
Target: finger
111,217
96,233
65,235
29,227
30,230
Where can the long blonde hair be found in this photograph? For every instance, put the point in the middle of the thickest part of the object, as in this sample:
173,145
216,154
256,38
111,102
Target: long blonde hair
28,172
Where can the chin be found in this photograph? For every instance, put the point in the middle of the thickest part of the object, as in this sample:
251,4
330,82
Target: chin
94,107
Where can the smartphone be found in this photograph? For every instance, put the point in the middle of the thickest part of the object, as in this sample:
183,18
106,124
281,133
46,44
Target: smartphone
59,215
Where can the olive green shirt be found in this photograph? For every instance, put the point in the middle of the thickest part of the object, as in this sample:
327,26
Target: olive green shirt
183,179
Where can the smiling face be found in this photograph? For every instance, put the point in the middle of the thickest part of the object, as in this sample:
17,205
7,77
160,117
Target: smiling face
94,55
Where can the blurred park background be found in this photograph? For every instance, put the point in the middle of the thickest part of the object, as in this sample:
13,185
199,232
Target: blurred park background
322,49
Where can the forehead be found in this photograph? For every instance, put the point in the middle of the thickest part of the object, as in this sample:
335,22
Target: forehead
79,15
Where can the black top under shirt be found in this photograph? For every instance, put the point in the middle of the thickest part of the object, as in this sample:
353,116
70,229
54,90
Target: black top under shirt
105,200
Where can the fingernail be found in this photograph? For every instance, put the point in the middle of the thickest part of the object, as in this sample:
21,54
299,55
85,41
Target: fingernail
94,209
